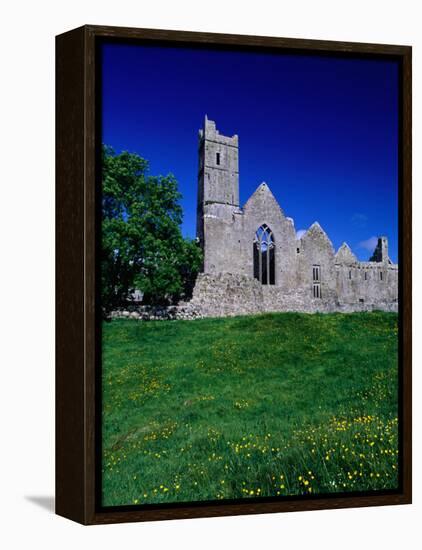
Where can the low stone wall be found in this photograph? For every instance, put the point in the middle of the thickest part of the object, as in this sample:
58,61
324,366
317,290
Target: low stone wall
186,312
227,295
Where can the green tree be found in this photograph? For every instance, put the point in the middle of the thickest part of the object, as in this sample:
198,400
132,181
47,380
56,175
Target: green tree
142,244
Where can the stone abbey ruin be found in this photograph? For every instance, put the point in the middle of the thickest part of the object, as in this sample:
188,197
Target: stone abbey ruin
253,261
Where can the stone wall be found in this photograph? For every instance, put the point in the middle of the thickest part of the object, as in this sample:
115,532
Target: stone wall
316,249
184,311
368,282
228,295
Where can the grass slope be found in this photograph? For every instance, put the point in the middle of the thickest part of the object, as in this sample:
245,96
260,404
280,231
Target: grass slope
276,404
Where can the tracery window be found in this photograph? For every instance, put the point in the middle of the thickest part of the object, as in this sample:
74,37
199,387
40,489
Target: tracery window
264,255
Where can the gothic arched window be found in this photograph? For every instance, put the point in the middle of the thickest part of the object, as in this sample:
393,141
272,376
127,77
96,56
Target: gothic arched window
264,256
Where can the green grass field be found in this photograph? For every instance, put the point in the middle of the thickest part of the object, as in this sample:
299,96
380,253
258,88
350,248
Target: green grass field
276,404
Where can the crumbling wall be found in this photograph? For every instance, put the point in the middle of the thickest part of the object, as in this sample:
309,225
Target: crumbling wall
227,295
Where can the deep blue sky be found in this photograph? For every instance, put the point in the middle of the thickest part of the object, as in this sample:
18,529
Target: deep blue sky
321,131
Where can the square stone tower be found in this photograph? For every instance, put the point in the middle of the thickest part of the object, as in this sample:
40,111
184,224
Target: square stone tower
218,172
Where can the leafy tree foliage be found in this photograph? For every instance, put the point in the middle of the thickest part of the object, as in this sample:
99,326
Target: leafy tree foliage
142,244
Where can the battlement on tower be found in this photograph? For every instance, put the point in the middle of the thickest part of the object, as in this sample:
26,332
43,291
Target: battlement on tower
210,133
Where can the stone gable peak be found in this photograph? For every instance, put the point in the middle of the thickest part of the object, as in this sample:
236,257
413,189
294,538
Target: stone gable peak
263,193
345,255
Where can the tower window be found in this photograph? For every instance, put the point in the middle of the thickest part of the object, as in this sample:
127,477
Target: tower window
380,275
350,274
217,159
366,276
297,250
264,256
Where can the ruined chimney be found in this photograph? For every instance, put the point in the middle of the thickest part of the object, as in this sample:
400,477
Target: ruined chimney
381,251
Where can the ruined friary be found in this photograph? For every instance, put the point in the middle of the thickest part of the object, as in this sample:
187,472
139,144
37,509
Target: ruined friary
253,261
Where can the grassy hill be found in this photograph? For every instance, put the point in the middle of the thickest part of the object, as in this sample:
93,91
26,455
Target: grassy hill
269,405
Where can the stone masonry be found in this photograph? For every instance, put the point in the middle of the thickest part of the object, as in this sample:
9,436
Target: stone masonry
253,261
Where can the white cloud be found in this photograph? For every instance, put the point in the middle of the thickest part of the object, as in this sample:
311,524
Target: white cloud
369,244
300,233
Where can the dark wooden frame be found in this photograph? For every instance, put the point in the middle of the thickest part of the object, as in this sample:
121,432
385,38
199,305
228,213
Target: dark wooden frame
77,216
